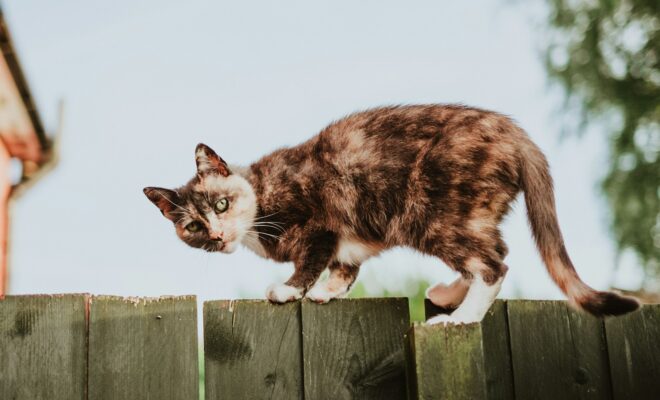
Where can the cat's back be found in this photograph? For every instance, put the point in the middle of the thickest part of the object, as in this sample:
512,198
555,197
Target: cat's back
391,139
396,136
378,138
382,158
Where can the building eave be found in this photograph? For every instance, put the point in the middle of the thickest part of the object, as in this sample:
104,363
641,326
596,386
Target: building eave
11,57
33,167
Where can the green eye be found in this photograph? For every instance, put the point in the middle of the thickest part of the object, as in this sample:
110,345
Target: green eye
222,205
194,227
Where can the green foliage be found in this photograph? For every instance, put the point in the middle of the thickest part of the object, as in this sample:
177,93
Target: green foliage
413,289
605,54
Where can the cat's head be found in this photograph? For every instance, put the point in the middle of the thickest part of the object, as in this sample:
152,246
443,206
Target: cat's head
214,210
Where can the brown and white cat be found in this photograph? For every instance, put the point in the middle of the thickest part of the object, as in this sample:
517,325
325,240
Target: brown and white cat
436,178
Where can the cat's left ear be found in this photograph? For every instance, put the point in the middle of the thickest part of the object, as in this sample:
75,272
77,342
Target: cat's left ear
209,163
166,200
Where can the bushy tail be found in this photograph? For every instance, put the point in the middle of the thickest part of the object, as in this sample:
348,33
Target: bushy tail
537,185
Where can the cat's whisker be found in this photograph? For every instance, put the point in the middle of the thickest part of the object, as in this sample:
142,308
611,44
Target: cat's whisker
275,232
265,234
266,216
269,225
252,237
259,234
171,202
269,222
262,233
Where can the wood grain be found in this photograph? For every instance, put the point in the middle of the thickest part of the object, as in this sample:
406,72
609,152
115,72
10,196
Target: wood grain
143,348
633,342
252,350
43,347
461,361
557,352
354,348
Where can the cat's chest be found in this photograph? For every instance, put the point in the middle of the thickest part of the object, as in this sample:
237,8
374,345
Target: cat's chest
354,252
348,250
280,247
255,245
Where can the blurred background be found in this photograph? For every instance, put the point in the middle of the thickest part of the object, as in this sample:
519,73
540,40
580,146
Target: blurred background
117,94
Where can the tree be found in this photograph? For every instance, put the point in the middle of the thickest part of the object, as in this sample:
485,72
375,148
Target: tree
606,54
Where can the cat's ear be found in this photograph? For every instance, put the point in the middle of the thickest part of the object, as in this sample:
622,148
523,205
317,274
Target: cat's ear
166,200
208,162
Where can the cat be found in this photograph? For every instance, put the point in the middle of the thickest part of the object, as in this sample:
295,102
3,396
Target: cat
436,178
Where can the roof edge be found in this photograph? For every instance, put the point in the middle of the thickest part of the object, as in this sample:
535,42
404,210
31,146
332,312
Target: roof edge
9,52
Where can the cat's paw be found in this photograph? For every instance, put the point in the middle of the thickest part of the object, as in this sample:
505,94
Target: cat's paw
451,319
281,293
320,294
443,319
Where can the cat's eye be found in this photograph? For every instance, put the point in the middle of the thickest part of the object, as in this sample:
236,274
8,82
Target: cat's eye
222,205
194,227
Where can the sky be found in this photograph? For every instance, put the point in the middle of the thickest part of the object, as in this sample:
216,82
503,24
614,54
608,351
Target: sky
144,82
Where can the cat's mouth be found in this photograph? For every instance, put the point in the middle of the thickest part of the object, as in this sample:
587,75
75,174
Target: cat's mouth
213,247
224,247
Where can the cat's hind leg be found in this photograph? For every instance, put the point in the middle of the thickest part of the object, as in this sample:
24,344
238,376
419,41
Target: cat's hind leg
448,296
338,283
485,283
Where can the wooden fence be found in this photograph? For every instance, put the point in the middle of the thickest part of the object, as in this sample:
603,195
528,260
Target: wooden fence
102,347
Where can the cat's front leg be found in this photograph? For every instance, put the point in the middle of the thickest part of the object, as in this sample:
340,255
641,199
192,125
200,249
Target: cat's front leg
283,293
338,283
302,279
318,250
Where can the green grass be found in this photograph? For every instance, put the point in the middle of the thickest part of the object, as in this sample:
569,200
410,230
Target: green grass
413,290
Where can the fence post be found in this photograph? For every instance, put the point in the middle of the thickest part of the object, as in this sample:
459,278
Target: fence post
633,343
143,348
462,361
43,347
557,352
252,350
354,349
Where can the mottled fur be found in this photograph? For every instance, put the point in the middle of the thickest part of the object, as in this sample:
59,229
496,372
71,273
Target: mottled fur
436,178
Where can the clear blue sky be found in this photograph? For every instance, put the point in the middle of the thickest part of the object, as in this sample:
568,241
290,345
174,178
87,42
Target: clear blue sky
144,82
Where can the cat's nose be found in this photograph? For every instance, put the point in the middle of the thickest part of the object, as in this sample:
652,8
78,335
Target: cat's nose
216,238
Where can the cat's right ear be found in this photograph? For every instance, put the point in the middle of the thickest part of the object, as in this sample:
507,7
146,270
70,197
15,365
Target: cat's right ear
166,200
208,162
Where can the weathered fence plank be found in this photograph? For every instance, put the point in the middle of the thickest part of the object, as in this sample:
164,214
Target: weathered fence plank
82,347
557,352
633,343
252,350
43,347
143,348
354,349
461,362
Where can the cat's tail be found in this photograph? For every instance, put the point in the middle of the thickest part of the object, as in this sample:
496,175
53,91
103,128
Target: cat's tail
537,185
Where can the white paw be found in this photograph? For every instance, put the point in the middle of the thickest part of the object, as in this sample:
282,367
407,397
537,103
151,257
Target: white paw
320,294
443,319
451,319
281,293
